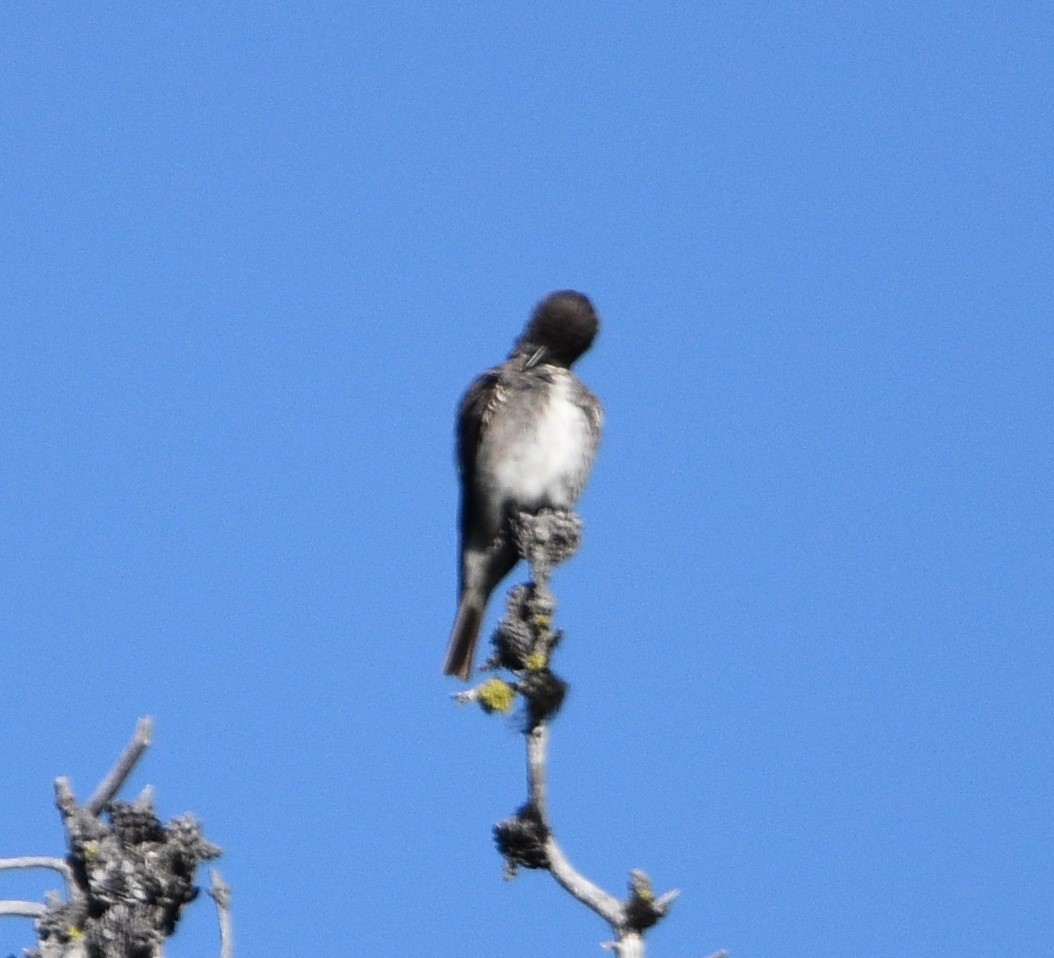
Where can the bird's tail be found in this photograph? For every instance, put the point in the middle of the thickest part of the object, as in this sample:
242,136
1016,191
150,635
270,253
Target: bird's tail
462,649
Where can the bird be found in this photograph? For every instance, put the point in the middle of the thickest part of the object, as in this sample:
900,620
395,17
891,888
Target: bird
526,437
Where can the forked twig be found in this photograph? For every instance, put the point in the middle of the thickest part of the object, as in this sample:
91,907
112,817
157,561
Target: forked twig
111,785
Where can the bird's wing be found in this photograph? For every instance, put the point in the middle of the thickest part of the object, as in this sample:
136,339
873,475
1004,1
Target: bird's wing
587,401
594,412
477,407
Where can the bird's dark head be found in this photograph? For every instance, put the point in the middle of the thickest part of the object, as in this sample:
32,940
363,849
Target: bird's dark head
562,327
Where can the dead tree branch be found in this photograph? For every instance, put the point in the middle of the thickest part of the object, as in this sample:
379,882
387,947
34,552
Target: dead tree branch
524,643
111,785
22,909
128,875
220,893
38,861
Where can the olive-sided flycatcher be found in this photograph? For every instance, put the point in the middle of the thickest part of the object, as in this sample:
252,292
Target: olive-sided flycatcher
527,433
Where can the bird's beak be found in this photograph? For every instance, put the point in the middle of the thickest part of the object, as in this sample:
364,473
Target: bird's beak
535,358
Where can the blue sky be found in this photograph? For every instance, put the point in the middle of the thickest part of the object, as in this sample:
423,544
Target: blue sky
252,255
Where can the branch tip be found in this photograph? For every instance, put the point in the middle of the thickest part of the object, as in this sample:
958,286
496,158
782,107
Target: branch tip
118,775
21,909
220,892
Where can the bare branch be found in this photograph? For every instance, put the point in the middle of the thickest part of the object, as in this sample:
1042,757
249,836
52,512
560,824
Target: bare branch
629,945
221,894
663,902
129,876
21,909
570,879
42,861
524,644
537,783
111,785
37,861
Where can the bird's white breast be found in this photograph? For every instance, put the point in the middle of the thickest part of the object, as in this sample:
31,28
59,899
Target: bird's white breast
545,460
